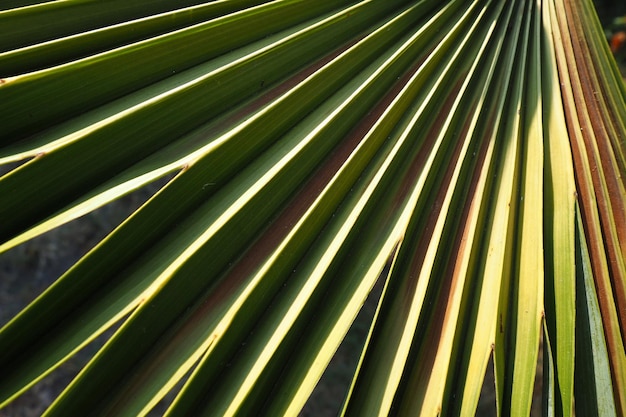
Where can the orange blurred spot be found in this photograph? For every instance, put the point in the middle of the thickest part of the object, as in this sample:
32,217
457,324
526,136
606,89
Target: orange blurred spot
617,41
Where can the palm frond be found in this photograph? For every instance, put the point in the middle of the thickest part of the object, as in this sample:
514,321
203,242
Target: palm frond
466,156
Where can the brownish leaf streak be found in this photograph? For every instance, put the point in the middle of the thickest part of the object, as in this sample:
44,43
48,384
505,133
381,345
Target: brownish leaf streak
407,186
584,96
613,207
470,213
585,190
586,197
470,205
615,126
610,105
474,201
428,346
452,272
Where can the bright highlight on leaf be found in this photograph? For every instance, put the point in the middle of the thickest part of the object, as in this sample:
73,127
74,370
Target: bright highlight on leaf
467,156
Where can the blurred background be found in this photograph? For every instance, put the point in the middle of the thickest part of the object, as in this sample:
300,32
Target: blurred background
612,14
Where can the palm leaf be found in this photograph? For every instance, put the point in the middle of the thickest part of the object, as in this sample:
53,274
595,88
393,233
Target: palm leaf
466,157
